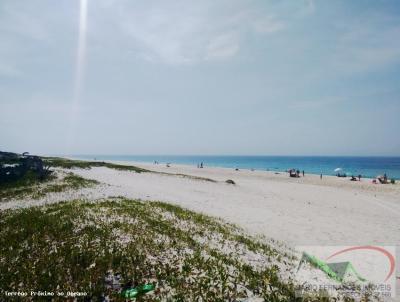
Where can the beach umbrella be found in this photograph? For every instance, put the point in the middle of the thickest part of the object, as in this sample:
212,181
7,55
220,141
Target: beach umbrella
338,169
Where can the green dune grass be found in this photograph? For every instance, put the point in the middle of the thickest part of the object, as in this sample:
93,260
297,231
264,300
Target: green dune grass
72,246
29,186
58,162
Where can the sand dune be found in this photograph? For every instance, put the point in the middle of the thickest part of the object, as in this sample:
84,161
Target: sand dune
304,211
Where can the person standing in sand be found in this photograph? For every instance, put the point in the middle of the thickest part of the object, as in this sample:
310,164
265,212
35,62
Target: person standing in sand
320,176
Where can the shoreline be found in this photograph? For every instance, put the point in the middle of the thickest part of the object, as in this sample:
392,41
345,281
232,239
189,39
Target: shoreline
295,211
305,211
327,180
278,197
270,170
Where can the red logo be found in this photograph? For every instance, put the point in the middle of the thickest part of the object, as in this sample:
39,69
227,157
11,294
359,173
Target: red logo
390,257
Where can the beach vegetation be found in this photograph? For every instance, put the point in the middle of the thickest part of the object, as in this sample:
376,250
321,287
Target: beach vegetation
64,163
80,246
192,177
30,186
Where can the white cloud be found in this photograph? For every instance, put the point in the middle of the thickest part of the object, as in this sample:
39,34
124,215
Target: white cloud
18,20
268,25
189,33
178,32
367,48
9,70
316,103
310,6
26,28
223,46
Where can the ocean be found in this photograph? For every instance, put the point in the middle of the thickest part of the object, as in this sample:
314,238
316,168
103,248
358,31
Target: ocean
366,166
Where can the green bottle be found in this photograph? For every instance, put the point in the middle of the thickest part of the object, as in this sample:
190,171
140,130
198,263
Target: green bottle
134,292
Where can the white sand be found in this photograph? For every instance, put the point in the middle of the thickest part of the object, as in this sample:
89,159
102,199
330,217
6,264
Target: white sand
299,211
304,211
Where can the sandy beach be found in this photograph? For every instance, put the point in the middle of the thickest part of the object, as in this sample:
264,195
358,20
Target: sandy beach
295,211
301,211
199,151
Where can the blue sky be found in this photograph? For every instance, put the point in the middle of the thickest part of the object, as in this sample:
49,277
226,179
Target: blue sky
200,77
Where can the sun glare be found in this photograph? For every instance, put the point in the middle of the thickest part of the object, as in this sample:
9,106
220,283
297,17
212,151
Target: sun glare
80,72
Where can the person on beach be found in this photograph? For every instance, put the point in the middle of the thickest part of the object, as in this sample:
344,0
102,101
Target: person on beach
320,176
359,177
303,173
201,165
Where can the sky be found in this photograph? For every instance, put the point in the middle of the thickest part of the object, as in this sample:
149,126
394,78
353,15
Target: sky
212,77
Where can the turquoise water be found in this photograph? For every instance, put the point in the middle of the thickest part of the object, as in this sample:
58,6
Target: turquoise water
366,166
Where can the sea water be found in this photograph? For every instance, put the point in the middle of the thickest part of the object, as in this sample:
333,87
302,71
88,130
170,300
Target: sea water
351,165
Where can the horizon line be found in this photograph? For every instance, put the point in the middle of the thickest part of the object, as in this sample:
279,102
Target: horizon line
232,155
